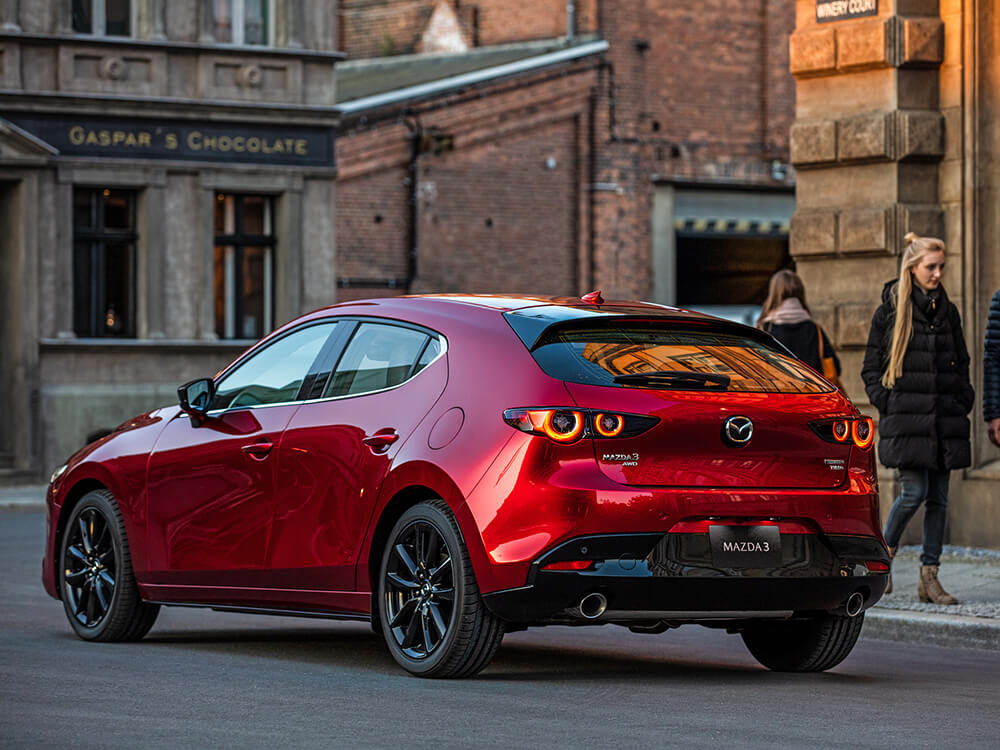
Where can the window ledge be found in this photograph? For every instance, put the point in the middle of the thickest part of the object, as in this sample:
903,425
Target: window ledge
90,344
990,471
171,45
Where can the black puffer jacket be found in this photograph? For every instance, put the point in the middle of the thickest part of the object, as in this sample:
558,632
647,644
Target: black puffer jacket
991,363
923,420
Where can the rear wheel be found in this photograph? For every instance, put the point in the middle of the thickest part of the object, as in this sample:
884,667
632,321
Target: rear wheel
96,581
433,618
807,645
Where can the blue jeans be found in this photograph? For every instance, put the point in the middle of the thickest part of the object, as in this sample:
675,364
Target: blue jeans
919,486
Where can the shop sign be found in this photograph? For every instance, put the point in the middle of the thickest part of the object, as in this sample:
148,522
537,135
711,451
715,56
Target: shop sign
839,10
120,138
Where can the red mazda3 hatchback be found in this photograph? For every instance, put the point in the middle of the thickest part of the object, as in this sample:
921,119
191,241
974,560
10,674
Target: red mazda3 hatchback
452,468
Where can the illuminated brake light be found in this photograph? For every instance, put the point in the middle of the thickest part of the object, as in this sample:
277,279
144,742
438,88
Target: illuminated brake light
567,425
863,432
841,431
877,566
857,430
569,565
563,426
609,425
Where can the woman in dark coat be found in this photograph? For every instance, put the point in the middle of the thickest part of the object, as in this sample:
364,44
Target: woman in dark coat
786,316
916,373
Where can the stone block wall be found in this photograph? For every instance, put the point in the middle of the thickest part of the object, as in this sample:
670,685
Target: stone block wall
895,115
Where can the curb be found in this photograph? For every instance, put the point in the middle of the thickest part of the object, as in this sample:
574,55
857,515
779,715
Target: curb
25,497
933,629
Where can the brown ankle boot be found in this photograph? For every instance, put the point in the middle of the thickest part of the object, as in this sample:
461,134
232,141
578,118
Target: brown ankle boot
892,556
929,588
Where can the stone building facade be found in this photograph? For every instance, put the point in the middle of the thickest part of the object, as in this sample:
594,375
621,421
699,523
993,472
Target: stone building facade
897,128
166,196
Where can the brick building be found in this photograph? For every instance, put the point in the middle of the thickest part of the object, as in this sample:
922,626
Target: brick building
665,155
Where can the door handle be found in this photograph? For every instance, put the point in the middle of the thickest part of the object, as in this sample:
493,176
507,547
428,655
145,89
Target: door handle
381,440
258,451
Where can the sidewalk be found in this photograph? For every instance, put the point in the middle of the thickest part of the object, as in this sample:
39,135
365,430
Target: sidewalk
971,575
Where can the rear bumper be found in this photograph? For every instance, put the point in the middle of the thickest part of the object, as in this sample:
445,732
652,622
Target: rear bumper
653,577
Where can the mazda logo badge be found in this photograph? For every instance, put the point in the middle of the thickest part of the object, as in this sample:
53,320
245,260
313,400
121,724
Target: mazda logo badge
737,431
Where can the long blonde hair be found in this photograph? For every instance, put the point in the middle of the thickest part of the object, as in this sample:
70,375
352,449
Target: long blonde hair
783,285
902,292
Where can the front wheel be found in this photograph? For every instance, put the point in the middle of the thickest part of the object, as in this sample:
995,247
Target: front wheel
813,644
433,618
96,581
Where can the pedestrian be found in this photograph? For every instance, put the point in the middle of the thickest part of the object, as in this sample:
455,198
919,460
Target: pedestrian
916,373
991,371
786,316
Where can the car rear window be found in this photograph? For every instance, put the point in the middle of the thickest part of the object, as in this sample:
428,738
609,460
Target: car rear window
596,355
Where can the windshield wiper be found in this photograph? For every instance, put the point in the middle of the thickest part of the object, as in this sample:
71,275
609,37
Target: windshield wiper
676,379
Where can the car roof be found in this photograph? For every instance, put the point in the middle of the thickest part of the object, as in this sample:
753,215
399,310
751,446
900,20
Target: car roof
552,307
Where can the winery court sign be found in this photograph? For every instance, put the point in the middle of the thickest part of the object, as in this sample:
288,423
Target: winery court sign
121,138
838,10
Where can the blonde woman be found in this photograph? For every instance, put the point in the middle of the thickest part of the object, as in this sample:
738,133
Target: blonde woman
916,373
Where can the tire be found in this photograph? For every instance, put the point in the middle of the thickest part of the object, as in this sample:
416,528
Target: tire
433,618
96,582
809,645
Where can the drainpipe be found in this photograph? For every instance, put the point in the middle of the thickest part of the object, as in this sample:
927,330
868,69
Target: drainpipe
413,173
570,20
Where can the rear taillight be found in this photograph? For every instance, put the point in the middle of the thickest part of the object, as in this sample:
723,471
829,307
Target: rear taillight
863,432
609,425
859,430
562,426
569,425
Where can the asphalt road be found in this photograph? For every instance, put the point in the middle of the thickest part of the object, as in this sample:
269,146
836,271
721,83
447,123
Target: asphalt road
206,679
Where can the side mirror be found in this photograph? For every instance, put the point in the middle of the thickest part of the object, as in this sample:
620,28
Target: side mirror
196,397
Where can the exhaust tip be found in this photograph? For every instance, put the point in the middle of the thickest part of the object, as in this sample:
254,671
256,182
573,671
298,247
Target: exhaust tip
592,606
855,603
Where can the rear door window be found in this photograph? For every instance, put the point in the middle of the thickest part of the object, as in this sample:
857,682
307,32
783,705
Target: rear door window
657,356
379,356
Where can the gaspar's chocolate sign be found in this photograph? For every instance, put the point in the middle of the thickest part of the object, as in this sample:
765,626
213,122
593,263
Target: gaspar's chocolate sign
175,139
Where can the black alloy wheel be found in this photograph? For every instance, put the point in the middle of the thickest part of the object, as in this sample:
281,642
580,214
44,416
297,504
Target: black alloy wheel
97,584
420,589
91,568
433,619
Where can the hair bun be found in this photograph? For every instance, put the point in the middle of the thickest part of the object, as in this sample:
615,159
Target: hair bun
909,237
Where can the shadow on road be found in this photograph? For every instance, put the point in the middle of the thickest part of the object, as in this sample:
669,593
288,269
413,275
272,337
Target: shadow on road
358,648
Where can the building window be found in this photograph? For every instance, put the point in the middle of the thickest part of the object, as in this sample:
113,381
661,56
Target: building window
244,263
242,21
104,262
103,17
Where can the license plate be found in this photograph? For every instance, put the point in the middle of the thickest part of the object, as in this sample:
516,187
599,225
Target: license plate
745,546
